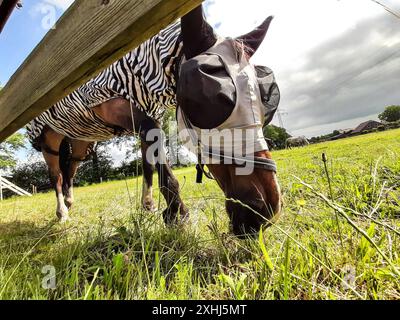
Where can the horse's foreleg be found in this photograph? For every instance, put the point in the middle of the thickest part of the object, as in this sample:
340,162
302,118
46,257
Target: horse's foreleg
78,155
169,185
50,149
147,185
69,183
118,112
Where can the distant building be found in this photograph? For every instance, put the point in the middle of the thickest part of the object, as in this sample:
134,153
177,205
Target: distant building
363,127
366,126
344,133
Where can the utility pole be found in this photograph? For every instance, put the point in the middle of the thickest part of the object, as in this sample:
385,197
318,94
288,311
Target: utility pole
281,113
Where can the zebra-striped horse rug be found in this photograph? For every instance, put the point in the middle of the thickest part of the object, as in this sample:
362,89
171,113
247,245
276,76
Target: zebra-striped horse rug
145,77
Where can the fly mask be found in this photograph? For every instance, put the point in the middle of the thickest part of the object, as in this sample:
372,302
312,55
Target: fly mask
223,77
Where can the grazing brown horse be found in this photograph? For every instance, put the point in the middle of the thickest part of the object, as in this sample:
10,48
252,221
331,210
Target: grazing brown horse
254,199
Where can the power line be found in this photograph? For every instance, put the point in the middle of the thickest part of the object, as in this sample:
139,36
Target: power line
382,61
391,11
346,81
280,119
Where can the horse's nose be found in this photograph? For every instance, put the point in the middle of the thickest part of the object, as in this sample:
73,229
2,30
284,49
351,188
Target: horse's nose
249,216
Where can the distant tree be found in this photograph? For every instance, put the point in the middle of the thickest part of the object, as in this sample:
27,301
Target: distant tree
128,169
325,137
32,173
99,166
277,135
391,114
8,150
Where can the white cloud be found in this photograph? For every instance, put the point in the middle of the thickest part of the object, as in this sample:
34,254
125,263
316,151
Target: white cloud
298,27
49,9
313,46
118,153
60,4
42,6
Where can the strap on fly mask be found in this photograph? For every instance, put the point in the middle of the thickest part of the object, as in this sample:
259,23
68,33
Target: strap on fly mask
208,80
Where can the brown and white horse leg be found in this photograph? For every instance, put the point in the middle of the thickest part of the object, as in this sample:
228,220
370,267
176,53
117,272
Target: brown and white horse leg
117,112
153,151
147,184
51,142
79,153
169,186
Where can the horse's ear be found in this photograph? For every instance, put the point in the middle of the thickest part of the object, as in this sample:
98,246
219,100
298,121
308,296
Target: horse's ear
198,36
253,40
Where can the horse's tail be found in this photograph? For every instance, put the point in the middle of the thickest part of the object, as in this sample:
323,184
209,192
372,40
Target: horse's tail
65,159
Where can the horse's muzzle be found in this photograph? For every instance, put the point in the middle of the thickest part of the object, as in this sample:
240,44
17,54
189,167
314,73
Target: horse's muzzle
249,216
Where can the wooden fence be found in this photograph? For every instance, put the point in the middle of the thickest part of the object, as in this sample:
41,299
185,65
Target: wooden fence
5,184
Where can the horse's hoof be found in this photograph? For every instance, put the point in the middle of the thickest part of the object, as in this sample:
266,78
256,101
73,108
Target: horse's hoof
63,217
64,220
173,219
69,203
184,214
150,206
169,217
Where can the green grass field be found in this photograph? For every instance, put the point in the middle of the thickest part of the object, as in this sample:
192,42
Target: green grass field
331,243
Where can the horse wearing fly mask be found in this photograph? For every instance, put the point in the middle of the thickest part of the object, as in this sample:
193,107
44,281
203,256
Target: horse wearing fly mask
219,91
223,92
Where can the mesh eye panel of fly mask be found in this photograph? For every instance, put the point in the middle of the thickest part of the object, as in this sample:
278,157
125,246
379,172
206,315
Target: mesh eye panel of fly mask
219,77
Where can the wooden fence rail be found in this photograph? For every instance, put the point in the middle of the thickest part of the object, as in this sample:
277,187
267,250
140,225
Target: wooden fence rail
91,35
5,184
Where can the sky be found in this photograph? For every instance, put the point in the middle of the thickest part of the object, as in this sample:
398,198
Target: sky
337,62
